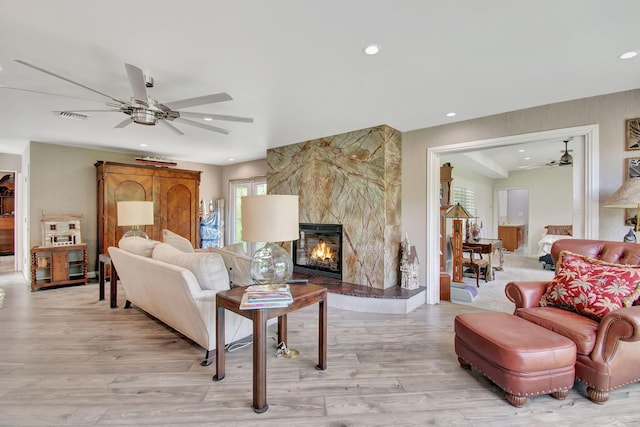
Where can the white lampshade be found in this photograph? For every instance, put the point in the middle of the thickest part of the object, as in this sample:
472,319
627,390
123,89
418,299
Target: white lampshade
135,213
627,196
270,218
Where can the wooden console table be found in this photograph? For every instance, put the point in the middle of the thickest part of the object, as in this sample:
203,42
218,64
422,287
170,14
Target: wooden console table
303,295
489,247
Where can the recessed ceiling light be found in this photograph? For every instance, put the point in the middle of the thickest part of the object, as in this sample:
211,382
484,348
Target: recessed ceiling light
207,119
232,159
527,158
628,55
521,151
143,145
372,49
451,114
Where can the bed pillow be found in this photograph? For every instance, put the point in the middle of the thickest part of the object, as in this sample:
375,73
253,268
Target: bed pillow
177,241
208,268
590,286
560,230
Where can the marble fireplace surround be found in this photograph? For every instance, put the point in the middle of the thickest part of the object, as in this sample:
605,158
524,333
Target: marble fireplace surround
353,179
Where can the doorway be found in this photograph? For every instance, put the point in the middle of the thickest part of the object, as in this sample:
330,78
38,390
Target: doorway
585,188
513,206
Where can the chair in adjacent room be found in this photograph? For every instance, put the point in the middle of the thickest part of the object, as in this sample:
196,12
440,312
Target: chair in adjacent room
474,262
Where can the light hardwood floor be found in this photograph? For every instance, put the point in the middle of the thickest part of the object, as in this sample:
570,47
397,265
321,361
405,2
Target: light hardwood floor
68,359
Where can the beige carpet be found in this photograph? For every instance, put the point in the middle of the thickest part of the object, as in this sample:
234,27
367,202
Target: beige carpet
516,268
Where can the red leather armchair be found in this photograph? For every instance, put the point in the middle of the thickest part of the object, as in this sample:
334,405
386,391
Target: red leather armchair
608,351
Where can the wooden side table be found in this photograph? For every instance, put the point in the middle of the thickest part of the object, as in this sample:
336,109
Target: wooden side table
103,261
303,295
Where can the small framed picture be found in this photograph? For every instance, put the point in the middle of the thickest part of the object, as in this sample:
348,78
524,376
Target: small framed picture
632,168
633,134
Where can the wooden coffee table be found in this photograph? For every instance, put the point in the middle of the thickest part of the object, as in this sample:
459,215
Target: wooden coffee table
303,295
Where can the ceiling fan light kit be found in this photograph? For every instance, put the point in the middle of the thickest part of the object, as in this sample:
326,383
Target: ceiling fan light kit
566,159
142,109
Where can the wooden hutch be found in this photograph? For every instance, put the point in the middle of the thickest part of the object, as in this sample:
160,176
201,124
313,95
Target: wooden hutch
174,193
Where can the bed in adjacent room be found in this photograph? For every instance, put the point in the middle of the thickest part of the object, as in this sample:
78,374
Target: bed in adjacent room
551,234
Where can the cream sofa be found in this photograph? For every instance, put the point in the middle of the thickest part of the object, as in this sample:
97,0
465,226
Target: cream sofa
178,289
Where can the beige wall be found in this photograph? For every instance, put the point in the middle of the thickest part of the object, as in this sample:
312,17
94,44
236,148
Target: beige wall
550,191
608,111
62,180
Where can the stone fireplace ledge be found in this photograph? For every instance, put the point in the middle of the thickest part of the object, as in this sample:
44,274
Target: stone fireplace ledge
353,297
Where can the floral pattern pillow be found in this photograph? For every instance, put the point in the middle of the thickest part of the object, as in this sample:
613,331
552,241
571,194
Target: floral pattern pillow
592,287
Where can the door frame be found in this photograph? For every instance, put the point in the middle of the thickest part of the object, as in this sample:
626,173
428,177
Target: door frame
586,184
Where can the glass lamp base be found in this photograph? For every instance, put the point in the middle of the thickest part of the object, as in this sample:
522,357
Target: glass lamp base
271,264
135,232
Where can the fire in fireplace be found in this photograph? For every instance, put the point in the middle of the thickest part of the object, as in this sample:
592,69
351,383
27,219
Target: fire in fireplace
319,250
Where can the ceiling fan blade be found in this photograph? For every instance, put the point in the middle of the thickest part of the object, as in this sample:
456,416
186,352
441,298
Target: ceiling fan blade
136,78
200,100
49,93
215,117
124,123
203,126
70,81
170,126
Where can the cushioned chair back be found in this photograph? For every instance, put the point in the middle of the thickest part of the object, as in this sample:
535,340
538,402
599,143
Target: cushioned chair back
604,250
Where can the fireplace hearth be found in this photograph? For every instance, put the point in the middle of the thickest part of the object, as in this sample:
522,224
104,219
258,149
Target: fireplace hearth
319,250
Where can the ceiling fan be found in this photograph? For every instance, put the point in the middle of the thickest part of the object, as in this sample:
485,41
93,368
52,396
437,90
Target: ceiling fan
144,110
565,160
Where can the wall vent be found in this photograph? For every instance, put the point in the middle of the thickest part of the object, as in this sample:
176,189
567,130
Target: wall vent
70,115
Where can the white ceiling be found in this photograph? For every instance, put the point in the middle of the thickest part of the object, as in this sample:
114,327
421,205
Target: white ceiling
297,67
498,162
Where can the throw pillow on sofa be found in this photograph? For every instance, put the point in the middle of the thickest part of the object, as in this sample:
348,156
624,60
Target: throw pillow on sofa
138,245
238,265
590,286
208,268
177,241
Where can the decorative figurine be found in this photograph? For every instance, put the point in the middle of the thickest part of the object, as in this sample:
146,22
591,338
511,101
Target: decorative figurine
409,265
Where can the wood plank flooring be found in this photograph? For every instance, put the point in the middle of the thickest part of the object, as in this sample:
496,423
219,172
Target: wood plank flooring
67,359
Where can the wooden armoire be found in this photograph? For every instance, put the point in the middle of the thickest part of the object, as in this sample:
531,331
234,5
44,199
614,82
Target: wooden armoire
174,193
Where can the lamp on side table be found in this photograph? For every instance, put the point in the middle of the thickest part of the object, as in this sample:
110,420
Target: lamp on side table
270,218
627,197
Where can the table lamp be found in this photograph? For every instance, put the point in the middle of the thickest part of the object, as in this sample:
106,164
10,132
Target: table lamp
270,218
135,214
627,197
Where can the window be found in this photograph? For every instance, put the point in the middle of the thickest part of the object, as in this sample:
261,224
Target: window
237,189
466,197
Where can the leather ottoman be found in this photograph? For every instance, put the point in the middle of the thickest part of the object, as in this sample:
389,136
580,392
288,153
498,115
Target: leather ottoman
520,357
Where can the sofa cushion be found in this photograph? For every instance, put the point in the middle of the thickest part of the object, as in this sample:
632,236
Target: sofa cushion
177,241
591,287
578,328
138,245
238,264
236,248
208,268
